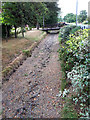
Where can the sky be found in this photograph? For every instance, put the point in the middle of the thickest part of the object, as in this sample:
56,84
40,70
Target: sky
69,6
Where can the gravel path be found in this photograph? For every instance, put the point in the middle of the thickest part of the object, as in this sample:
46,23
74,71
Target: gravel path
32,90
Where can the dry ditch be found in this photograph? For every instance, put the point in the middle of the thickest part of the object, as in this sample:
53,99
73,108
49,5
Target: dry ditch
31,91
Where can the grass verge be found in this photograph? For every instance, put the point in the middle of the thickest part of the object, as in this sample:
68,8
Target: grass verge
14,47
8,70
68,110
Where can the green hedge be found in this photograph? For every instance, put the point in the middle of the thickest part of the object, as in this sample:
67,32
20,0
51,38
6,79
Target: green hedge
66,30
75,56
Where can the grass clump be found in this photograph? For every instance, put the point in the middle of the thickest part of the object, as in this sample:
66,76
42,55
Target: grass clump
14,47
26,52
25,74
68,110
63,84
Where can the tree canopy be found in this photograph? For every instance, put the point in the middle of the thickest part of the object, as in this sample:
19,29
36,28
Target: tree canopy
70,17
82,16
19,14
52,15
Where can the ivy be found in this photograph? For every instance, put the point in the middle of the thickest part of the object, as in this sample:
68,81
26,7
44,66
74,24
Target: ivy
74,51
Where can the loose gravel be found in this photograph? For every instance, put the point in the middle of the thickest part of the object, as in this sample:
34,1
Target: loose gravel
31,91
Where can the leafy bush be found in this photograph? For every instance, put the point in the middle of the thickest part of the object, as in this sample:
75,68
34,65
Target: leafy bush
85,22
27,28
75,29
80,73
13,30
18,30
74,52
65,31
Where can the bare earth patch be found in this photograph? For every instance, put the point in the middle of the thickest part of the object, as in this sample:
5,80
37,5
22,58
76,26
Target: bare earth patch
32,90
14,46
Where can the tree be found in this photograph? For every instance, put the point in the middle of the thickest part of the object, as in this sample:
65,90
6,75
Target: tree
60,19
12,15
52,15
22,13
88,20
70,17
83,16
39,10
19,14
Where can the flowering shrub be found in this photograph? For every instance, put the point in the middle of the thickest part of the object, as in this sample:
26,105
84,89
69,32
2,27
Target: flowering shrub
75,53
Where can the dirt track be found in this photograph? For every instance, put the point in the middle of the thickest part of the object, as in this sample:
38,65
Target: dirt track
32,90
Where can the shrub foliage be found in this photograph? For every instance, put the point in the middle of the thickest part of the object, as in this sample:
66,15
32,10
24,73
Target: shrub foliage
75,54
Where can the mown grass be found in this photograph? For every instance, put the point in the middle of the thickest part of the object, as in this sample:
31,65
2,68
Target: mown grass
15,46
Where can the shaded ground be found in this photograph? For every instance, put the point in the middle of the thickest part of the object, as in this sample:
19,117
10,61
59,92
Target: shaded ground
32,90
14,46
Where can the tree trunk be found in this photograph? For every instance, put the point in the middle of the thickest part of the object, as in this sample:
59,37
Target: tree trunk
8,31
15,32
22,31
6,34
37,26
43,21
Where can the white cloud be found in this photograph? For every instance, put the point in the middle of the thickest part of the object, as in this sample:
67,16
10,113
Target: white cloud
69,6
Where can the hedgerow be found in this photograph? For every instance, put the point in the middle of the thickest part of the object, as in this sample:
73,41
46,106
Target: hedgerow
74,53
65,31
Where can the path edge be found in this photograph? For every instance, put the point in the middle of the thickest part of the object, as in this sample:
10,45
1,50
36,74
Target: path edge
15,64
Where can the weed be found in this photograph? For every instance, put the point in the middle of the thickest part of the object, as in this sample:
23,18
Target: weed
68,110
26,52
25,74
63,84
